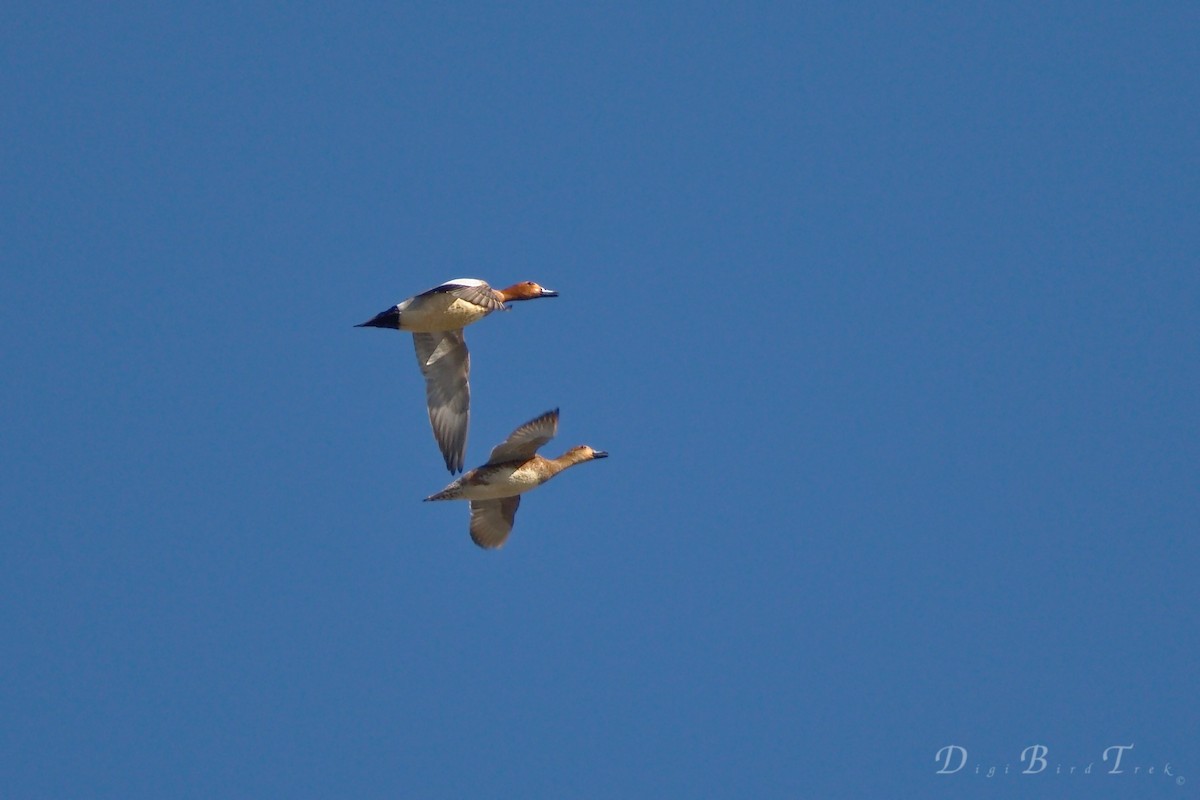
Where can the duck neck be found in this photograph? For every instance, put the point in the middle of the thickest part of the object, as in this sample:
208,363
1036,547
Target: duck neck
512,294
567,459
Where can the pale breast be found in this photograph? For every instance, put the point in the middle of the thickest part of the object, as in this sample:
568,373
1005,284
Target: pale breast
440,312
501,481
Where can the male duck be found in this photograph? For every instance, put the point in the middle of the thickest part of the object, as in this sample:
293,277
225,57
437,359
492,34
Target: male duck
514,468
436,319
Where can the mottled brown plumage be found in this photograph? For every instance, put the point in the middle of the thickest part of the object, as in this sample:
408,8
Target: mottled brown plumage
514,468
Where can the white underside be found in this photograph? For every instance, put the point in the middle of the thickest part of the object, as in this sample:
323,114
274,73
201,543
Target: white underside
438,313
503,483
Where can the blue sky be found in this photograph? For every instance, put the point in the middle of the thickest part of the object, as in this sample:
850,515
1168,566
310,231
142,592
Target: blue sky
889,317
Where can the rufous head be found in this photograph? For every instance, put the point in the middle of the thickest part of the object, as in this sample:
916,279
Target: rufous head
526,290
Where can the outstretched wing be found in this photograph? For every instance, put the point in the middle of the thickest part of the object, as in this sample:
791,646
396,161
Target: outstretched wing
492,520
524,442
471,290
446,365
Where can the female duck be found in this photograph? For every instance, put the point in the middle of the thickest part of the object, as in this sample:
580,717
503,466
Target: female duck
436,319
514,468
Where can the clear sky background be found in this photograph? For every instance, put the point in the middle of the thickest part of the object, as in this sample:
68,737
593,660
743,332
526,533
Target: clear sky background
889,317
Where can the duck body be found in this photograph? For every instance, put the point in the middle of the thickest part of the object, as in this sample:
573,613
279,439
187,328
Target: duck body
436,319
494,489
451,306
494,481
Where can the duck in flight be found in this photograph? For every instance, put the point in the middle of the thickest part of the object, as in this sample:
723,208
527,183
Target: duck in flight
436,319
514,468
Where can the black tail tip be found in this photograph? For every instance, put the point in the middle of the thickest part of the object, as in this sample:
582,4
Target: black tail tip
384,319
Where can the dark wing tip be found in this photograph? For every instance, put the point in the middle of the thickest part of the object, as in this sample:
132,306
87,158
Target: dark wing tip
454,461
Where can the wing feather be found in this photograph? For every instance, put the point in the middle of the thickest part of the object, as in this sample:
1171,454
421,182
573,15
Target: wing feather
524,442
492,520
446,365
471,291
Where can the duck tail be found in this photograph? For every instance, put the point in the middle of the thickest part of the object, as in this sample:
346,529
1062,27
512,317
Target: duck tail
384,319
451,492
